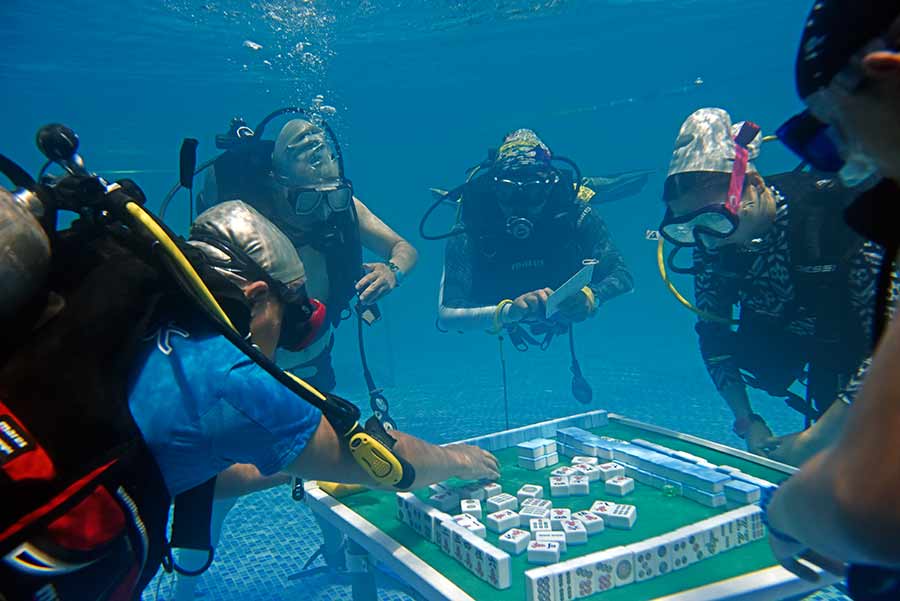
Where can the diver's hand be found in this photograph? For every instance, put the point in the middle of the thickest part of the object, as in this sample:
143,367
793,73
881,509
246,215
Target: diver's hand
376,284
529,305
793,449
473,463
790,552
576,308
759,438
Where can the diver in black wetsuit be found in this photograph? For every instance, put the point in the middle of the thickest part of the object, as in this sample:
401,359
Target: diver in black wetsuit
528,227
845,503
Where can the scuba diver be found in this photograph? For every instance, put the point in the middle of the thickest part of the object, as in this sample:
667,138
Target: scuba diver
524,227
158,355
777,248
843,507
298,182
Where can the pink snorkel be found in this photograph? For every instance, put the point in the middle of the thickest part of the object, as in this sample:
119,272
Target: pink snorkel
748,132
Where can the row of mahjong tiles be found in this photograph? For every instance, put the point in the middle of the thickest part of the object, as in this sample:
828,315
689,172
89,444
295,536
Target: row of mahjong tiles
659,514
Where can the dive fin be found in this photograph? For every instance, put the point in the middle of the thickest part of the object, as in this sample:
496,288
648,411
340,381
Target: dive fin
618,185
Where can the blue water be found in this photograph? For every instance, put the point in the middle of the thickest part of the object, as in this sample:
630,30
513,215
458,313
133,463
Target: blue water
422,89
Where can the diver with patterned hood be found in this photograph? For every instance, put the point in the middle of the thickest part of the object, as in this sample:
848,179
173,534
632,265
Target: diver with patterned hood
298,182
777,250
526,226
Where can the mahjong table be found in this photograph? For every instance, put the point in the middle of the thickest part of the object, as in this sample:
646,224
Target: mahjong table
649,561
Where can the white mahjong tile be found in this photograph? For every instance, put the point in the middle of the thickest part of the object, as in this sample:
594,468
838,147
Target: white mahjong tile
559,486
610,470
551,459
576,533
535,502
503,520
539,586
584,461
492,489
533,511
472,491
602,507
563,472
498,567
624,567
559,515
502,501
440,487
681,555
579,486
564,583
592,522
620,516
543,553
538,524
620,485
515,541
552,537
530,491
471,507
592,472
583,577
445,501
445,537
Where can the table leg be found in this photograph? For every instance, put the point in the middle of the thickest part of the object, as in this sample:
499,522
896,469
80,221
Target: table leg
362,575
332,545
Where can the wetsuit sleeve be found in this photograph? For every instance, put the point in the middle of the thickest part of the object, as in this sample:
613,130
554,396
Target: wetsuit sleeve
455,309
611,276
260,421
863,276
716,296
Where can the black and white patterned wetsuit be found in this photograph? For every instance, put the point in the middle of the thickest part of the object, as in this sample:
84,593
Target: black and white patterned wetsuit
781,329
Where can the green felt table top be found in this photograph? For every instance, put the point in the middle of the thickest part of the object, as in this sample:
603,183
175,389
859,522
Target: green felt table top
657,514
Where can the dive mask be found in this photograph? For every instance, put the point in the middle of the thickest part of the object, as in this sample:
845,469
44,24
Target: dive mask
714,221
529,194
812,135
307,201
719,220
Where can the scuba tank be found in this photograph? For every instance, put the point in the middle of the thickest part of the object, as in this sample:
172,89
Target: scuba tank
24,250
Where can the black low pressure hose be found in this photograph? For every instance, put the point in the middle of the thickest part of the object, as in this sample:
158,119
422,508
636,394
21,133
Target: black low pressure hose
168,199
581,388
670,260
455,231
